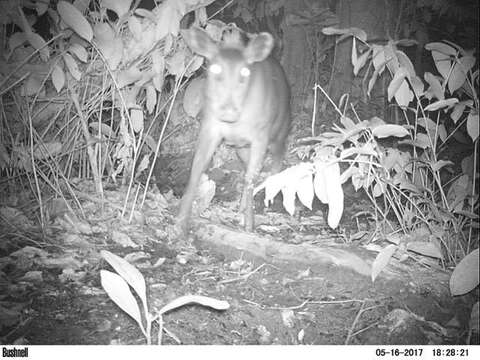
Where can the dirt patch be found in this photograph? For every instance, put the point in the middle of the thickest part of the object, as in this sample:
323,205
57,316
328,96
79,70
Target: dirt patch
299,288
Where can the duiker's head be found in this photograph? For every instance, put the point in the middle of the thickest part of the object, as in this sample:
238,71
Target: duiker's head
229,70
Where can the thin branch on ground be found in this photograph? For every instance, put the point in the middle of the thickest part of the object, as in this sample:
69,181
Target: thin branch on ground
360,312
242,277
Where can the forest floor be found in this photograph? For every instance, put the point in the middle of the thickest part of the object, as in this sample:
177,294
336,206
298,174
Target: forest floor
293,281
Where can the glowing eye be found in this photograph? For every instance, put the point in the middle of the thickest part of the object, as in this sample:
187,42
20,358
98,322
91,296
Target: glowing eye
215,69
245,72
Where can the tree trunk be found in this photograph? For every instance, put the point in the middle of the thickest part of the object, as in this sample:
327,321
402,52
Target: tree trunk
296,57
304,48
368,15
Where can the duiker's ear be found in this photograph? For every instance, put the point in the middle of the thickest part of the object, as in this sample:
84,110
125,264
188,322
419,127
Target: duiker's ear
259,48
200,42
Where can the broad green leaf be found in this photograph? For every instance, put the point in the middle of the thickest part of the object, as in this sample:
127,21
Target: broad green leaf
103,130
465,276
347,122
144,163
358,33
440,104
387,130
17,39
144,13
33,85
378,189
417,85
41,7
353,31
103,33
406,42
382,260
472,125
398,79
58,77
458,192
158,62
79,51
289,195
135,27
81,5
193,97
119,7
46,150
405,63
168,19
435,89
468,214
391,57
372,81
441,47
457,111
272,185
459,73
195,299
442,54
378,58
118,290
39,44
334,31
360,62
176,63
427,124
468,165
128,76
151,98
421,140
205,193
110,45
194,65
305,190
319,182
128,272
391,158
442,132
75,20
443,63
440,164
287,182
404,96
407,185
136,115
72,66
335,194
426,248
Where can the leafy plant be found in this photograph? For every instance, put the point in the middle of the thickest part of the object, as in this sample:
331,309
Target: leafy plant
82,96
118,287
411,182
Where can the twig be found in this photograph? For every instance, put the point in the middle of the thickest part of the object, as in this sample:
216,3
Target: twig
347,340
365,328
254,303
243,277
360,312
221,9
294,307
173,336
289,307
331,302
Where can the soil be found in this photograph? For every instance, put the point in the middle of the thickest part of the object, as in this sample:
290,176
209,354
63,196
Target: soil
294,281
